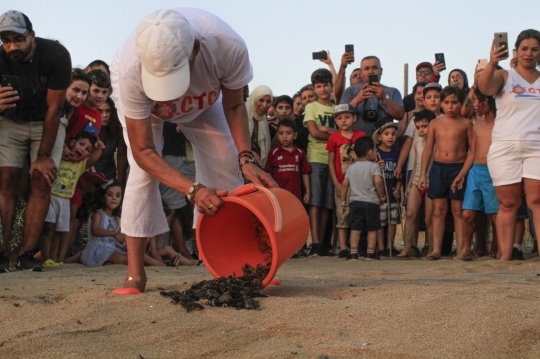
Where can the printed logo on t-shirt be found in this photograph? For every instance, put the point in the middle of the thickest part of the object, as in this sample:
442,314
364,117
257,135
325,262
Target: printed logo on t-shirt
347,156
167,110
280,158
524,92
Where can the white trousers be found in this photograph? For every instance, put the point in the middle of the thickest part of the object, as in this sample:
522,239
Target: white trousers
216,165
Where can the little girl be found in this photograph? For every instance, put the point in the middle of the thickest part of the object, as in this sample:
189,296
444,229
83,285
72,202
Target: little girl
106,244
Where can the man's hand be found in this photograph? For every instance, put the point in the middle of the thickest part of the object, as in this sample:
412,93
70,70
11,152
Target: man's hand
364,94
47,168
438,67
7,98
346,59
208,200
397,173
378,91
258,176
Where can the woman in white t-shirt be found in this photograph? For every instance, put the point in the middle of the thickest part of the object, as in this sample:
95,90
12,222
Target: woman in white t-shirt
514,155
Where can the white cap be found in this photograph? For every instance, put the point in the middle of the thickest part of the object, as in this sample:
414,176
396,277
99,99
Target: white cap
164,44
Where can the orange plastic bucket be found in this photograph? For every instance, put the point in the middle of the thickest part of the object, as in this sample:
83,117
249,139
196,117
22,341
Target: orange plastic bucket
256,225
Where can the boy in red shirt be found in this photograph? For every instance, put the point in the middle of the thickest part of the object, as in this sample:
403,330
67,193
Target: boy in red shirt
340,147
288,164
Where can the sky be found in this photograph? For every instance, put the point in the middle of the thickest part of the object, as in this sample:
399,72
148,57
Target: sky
281,35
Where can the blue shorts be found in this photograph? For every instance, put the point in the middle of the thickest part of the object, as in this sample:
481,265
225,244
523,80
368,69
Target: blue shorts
441,177
480,193
322,187
364,216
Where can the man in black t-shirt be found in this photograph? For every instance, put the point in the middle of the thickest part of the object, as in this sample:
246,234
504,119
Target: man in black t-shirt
35,75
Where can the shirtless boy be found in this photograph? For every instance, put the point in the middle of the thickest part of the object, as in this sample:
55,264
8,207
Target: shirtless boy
450,136
480,193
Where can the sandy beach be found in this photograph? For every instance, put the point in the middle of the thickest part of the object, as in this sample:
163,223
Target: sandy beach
325,308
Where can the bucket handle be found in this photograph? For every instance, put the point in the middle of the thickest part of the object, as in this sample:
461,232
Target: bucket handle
246,189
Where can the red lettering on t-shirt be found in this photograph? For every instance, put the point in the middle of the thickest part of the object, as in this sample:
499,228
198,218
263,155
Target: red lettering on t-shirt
201,99
212,97
531,90
187,100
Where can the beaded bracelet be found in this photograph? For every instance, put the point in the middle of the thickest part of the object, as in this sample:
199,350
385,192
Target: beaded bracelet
246,153
193,191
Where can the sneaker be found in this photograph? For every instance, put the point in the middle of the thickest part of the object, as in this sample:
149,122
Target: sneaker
535,247
4,263
326,252
344,254
352,257
395,251
372,256
517,255
383,253
27,262
315,250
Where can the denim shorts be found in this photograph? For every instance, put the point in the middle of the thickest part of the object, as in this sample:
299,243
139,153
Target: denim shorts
322,187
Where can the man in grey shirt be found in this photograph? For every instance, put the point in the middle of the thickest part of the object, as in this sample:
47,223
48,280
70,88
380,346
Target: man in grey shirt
373,101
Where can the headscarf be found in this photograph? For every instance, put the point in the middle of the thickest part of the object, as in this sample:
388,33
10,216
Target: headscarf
264,131
466,87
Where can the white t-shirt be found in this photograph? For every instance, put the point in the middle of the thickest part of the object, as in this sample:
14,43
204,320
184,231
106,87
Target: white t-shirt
222,61
518,110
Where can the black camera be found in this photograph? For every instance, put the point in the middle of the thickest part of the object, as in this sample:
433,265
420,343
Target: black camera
370,114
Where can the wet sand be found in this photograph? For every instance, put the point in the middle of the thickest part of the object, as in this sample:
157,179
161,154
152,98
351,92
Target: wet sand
325,308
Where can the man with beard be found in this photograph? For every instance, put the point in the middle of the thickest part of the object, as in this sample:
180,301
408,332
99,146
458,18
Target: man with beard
35,75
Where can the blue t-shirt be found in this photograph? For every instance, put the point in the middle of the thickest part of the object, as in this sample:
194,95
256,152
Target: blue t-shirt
372,103
390,163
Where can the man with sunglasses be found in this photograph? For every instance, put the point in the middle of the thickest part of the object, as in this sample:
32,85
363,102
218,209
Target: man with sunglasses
425,72
35,75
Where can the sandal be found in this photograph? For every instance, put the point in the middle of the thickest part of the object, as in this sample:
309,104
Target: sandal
175,262
130,290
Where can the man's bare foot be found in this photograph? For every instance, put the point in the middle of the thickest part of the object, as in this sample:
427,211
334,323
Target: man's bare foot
132,286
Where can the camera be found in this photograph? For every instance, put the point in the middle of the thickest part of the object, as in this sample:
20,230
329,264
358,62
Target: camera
370,114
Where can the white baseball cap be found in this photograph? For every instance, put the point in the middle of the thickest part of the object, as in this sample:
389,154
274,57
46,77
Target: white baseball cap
164,44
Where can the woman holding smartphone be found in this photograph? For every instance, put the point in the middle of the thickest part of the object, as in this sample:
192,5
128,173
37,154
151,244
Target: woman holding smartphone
514,155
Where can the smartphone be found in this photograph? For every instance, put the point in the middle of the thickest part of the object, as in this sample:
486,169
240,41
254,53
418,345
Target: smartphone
13,82
501,39
482,63
349,48
320,55
373,78
440,57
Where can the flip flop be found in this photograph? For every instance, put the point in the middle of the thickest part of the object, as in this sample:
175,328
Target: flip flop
467,259
430,258
127,291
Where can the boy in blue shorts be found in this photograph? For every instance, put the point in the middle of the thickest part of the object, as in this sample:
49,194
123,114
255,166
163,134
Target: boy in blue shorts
367,194
480,194
448,141
320,123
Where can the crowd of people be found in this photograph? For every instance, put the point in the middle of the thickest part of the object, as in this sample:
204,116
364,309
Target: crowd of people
454,158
